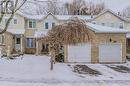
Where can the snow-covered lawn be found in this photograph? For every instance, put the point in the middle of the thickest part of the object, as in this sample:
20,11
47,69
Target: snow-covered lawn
35,71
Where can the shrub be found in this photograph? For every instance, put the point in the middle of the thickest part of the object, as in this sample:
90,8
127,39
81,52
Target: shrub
59,58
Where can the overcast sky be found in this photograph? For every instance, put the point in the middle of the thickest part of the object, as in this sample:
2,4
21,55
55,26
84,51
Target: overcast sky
115,5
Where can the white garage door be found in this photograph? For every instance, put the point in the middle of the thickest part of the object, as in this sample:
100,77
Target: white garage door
110,52
79,53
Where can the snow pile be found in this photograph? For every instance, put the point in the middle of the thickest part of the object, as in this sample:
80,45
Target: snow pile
35,71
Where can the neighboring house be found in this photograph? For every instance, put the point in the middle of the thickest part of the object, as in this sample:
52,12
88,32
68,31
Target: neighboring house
111,19
25,29
6,42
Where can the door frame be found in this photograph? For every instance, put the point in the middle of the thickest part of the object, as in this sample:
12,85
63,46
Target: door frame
15,37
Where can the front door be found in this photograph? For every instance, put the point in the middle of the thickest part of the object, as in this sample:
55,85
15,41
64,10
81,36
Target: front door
17,43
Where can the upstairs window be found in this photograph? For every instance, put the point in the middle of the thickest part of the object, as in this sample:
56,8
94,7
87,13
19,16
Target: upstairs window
53,24
32,24
121,26
15,21
112,24
103,24
1,39
6,21
46,25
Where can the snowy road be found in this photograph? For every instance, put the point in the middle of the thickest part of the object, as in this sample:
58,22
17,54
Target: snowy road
82,83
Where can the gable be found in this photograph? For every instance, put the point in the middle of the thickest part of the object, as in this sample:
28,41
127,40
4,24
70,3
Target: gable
108,17
50,19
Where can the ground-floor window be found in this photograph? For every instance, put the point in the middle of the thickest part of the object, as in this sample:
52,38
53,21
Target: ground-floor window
45,47
31,43
18,40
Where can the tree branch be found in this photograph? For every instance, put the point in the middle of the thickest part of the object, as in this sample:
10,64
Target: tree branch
12,15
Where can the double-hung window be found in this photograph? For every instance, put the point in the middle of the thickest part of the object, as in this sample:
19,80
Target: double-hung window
1,39
6,20
53,24
15,21
32,24
31,42
121,25
46,25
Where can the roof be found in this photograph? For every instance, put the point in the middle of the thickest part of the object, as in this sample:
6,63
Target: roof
105,29
40,33
16,31
66,17
59,17
28,16
115,14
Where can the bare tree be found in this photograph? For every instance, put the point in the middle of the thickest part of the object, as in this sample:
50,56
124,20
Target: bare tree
74,7
53,7
73,32
15,8
80,7
126,12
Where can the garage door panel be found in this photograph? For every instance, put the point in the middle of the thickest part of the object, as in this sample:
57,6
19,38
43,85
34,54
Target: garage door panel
79,53
110,53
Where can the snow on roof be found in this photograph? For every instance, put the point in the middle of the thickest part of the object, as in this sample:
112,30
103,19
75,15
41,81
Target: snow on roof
16,31
40,33
66,17
60,17
105,29
36,17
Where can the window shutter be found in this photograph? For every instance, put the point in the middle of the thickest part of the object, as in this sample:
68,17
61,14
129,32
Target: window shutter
2,39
